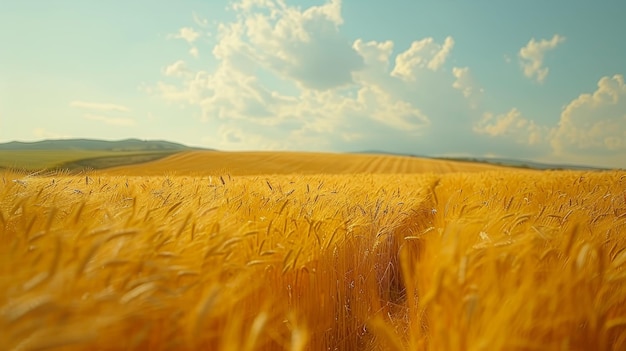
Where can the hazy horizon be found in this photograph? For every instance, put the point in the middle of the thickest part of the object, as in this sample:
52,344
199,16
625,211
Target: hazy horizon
533,81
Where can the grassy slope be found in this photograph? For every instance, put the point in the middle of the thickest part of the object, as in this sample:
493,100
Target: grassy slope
32,160
93,144
77,154
251,163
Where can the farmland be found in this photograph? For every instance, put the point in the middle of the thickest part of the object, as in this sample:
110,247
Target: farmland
190,252
259,163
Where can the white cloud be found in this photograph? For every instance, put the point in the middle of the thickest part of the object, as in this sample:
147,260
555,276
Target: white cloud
388,110
285,77
532,55
114,121
187,34
591,130
177,69
423,53
230,94
99,106
440,57
513,125
190,35
465,83
300,45
463,80
375,53
194,52
594,123
376,58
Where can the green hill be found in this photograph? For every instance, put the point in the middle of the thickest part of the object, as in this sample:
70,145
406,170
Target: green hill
89,144
80,154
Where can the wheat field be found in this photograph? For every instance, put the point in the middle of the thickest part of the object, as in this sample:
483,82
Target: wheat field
490,260
265,162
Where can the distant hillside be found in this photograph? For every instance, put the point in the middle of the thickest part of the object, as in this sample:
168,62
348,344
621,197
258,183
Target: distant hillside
96,145
497,161
99,154
285,162
81,154
525,164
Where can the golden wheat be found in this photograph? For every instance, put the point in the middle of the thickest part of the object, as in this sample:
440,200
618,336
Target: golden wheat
461,261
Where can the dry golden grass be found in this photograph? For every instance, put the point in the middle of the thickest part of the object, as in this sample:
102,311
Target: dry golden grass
258,163
463,261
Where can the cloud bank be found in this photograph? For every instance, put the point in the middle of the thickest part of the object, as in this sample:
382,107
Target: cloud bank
594,123
285,77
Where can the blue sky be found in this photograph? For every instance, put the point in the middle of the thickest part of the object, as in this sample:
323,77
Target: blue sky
533,80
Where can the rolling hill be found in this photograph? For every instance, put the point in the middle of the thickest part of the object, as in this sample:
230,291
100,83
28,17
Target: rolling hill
92,145
254,163
158,157
79,154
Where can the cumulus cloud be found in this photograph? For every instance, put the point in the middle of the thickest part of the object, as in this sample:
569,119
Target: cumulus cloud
305,46
194,52
99,106
301,47
391,111
177,69
284,77
594,123
187,34
190,35
440,57
462,81
114,121
512,125
425,86
465,83
376,57
532,56
423,53
591,129
374,53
